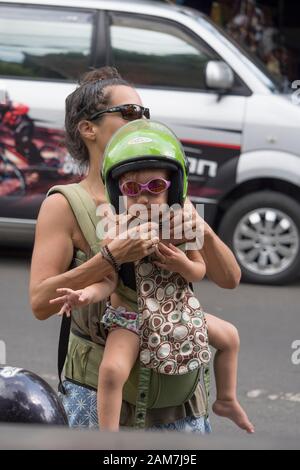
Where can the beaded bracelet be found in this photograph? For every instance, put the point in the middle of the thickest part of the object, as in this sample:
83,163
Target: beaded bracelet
107,255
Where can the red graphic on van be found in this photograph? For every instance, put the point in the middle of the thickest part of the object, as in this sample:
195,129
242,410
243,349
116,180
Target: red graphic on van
32,158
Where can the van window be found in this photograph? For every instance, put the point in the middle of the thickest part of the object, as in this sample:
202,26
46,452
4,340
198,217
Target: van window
154,53
44,42
274,83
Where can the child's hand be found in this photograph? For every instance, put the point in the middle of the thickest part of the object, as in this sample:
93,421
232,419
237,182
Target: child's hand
171,258
71,298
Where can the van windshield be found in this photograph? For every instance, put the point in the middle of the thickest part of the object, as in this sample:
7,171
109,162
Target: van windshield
258,68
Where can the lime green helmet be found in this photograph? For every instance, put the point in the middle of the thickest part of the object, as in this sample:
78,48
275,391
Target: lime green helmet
140,145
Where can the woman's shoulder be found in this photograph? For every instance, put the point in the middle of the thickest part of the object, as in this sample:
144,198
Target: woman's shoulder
58,197
55,201
63,189
58,217
56,209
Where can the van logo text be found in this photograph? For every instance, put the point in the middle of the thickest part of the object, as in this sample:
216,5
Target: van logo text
203,167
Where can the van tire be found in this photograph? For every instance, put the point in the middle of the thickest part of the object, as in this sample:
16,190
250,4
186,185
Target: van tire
262,199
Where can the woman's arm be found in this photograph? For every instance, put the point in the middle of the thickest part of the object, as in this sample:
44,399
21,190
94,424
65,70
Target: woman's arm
53,253
196,268
221,265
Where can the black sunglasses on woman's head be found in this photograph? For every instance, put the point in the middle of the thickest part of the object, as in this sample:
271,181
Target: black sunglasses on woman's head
129,112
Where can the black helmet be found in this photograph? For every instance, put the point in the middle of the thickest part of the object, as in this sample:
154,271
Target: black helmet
26,398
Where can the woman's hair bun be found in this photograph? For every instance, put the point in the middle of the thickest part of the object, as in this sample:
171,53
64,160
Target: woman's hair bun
105,73
88,98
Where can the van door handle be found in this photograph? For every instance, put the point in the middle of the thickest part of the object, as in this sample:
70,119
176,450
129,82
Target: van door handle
4,95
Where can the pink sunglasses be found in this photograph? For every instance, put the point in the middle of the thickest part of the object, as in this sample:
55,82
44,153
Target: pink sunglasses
155,186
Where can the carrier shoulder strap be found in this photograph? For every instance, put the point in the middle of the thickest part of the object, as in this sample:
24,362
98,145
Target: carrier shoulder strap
84,211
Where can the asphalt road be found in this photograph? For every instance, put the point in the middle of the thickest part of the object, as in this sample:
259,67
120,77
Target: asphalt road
268,319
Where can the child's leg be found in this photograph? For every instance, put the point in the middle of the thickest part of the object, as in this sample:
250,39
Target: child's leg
224,338
120,353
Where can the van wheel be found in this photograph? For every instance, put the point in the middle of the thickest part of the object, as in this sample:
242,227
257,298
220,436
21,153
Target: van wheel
263,230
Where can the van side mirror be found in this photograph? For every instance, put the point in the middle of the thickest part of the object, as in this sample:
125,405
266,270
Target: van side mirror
219,76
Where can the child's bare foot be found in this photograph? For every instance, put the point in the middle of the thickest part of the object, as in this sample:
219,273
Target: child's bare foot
232,409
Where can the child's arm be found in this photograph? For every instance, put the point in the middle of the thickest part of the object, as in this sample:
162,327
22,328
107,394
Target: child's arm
89,295
191,265
101,290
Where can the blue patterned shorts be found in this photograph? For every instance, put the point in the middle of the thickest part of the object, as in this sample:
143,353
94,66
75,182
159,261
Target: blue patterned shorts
80,404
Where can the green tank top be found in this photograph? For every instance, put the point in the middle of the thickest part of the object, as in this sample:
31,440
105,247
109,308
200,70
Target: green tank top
88,336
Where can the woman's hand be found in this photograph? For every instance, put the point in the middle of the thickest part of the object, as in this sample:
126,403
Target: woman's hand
71,298
186,225
134,241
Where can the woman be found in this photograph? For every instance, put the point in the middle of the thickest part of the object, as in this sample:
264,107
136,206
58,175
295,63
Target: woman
93,113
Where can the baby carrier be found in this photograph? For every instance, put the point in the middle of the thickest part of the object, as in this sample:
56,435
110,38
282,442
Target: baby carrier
151,384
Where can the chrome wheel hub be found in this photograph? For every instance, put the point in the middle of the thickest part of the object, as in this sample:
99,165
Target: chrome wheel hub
266,241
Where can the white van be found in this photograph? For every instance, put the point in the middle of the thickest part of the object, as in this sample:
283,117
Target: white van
240,131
